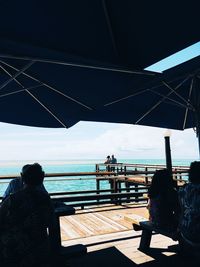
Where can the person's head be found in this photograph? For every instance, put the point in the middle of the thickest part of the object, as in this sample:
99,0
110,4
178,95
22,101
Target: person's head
194,172
24,168
32,174
161,182
108,157
112,156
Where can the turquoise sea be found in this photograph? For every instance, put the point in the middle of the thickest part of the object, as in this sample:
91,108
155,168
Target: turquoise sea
59,166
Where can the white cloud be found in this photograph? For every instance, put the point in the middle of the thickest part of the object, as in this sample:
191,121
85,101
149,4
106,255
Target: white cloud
97,141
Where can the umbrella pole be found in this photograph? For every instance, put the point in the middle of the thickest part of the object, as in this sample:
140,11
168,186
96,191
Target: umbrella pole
197,117
168,154
198,129
199,144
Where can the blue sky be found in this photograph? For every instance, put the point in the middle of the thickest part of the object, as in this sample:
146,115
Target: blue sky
175,59
89,140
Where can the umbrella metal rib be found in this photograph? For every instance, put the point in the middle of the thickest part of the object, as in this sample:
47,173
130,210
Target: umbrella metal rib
108,22
17,74
118,69
168,86
49,86
34,97
51,113
159,102
22,90
171,99
186,111
10,75
126,97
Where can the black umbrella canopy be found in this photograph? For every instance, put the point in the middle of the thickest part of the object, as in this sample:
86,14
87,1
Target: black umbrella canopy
170,101
129,33
60,95
64,61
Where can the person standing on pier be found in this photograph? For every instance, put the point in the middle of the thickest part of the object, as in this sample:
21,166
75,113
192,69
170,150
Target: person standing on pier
108,161
113,161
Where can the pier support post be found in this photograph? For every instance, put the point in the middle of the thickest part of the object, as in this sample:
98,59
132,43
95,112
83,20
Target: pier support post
127,190
97,186
136,191
168,153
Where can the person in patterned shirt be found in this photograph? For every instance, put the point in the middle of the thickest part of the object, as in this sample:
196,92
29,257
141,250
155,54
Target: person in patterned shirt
189,198
24,219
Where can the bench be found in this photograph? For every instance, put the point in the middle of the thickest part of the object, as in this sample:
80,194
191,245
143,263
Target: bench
147,227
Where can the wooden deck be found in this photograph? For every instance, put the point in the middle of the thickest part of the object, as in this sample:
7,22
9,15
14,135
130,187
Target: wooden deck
111,241
98,221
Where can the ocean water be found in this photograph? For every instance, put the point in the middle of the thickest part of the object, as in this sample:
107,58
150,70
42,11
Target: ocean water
60,184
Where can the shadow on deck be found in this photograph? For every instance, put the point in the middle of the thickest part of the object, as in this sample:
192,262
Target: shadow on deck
113,257
111,241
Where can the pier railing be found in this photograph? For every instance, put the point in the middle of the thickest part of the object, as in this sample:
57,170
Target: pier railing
128,168
125,183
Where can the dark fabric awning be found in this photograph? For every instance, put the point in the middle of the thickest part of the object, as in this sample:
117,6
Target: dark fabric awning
170,101
54,95
65,61
128,33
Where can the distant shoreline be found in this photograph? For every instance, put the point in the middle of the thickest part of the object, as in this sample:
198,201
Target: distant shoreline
90,161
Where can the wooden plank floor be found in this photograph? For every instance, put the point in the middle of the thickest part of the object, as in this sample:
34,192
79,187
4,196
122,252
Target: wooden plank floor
98,221
111,241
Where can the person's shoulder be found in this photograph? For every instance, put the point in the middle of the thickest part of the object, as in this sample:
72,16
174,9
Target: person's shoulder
44,196
16,196
15,181
188,187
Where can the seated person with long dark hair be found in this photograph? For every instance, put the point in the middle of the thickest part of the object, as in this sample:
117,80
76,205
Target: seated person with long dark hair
189,196
24,218
163,201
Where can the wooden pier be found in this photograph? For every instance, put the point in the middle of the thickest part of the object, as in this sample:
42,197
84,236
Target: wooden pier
98,220
111,240
127,183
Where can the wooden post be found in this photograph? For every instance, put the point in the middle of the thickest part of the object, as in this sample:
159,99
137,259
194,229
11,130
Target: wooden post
175,174
97,167
119,190
146,175
127,190
136,190
125,170
98,186
115,188
168,154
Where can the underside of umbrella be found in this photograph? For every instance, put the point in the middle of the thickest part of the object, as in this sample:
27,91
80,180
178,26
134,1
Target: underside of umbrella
84,60
171,100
